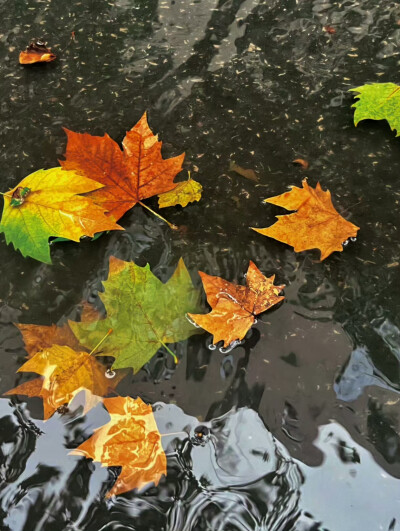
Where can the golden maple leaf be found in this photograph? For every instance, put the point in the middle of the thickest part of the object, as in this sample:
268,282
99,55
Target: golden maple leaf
65,372
316,224
233,306
131,440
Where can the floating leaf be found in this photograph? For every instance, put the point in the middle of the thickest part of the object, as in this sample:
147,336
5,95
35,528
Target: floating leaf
185,192
144,313
45,204
131,440
36,52
128,176
378,101
65,372
234,307
316,224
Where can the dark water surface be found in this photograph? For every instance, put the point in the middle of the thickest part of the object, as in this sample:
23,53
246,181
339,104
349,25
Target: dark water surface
305,415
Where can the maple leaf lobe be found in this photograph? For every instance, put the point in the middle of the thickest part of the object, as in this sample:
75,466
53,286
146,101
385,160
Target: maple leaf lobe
378,101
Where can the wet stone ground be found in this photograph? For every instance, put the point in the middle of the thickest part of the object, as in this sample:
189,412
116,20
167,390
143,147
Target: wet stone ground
304,416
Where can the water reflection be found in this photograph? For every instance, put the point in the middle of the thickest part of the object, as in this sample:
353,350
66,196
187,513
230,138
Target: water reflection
239,477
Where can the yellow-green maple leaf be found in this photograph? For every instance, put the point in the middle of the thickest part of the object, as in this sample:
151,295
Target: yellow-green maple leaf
143,313
47,203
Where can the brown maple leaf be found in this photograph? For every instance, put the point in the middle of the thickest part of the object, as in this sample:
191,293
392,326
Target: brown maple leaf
234,307
65,372
39,337
130,439
128,176
316,224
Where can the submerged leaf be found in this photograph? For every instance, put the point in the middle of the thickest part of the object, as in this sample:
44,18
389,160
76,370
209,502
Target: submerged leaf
46,203
234,306
378,101
144,313
131,440
315,225
185,192
244,172
128,176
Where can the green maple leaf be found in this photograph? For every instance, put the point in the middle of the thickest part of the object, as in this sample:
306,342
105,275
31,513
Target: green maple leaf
143,313
378,101
48,203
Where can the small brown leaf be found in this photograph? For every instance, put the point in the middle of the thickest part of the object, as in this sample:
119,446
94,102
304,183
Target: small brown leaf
36,52
246,173
301,162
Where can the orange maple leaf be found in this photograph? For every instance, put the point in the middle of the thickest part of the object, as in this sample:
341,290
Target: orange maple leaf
130,439
65,372
234,306
316,224
128,176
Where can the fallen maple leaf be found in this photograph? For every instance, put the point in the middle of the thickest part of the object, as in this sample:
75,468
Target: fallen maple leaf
36,52
144,313
378,101
234,306
46,203
128,176
185,192
316,224
130,439
65,372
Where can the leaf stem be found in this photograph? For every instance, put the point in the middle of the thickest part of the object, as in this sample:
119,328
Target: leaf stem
170,225
173,433
101,341
170,352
